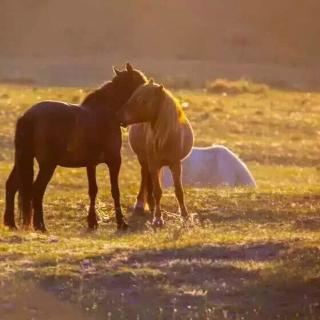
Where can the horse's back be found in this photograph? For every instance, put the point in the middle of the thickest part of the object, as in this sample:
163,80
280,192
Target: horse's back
49,106
232,171
53,117
62,132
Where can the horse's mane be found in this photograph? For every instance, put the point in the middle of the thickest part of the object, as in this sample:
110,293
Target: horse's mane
106,94
100,96
170,116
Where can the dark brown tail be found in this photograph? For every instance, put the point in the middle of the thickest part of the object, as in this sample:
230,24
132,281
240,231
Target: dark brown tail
24,154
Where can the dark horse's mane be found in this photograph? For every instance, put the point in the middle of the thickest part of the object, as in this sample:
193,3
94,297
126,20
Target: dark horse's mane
101,96
105,95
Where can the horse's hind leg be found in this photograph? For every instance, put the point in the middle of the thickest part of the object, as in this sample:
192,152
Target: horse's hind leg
176,176
11,190
93,190
39,188
114,168
157,191
150,196
141,197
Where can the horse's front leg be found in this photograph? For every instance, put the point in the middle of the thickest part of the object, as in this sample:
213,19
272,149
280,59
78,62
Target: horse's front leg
176,176
157,192
114,168
92,190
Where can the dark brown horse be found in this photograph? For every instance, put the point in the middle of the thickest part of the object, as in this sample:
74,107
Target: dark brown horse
57,133
160,135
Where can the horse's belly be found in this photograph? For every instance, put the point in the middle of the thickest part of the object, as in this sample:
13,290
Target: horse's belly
69,164
80,159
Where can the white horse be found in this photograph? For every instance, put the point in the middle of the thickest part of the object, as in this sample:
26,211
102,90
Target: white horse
212,166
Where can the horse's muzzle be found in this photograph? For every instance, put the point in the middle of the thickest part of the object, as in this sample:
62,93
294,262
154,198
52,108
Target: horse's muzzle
121,117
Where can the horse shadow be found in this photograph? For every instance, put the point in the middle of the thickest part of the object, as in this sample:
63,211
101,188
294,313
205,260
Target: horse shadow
195,280
138,222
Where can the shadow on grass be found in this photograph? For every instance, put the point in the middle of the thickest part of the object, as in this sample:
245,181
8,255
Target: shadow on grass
207,282
261,280
261,208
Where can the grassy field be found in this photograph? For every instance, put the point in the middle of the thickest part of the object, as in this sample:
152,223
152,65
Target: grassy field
250,254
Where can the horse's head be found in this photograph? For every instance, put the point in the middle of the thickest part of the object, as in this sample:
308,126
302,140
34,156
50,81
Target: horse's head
126,82
143,105
116,92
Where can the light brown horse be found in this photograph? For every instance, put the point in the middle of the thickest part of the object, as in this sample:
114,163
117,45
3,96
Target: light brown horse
161,135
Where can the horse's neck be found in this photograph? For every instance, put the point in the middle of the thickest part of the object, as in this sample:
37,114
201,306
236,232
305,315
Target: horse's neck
103,97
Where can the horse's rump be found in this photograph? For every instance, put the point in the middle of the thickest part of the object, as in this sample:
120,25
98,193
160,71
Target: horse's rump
63,132
211,167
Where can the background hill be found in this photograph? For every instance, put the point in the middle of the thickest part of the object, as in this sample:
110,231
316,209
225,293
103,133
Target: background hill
76,41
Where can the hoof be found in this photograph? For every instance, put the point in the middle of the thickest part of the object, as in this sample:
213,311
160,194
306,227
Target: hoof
11,226
158,223
93,226
40,228
139,211
186,217
9,222
26,227
187,220
123,226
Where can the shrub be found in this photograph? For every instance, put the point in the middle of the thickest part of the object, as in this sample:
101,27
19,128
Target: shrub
235,87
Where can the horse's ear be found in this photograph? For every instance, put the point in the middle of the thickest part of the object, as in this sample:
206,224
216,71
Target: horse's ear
161,87
116,71
129,67
150,81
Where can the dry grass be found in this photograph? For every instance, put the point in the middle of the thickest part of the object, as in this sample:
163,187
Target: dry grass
248,255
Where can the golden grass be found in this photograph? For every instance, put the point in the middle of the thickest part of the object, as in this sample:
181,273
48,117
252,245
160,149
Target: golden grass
235,87
250,254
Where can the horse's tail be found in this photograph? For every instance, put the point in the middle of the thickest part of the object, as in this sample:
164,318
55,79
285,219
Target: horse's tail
24,154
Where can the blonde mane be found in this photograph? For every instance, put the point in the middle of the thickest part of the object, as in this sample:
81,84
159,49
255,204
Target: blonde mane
170,116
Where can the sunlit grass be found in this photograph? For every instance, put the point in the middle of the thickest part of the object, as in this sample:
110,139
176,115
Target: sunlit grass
244,248
235,87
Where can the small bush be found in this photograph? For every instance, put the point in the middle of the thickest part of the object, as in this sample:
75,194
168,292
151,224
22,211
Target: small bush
235,87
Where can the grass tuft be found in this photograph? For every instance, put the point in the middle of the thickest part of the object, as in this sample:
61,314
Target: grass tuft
224,86
250,254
